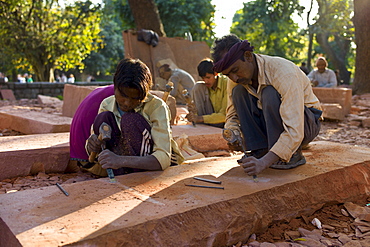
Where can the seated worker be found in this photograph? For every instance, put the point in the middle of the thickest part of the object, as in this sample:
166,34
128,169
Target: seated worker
272,105
141,137
322,76
181,80
209,96
304,68
81,123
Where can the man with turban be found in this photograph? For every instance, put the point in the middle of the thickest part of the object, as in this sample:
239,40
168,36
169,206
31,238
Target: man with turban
272,105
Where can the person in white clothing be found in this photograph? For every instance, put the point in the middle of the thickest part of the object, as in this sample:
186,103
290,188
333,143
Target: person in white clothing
71,79
322,76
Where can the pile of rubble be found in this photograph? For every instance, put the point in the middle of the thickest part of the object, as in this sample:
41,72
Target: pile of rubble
345,224
354,129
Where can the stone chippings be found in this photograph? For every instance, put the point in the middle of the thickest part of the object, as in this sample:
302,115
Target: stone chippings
42,180
345,224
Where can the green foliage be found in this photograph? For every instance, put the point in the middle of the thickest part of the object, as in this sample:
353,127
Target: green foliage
46,35
194,16
335,20
178,17
104,60
269,26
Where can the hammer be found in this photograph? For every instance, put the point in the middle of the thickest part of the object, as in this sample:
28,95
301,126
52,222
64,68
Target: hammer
105,134
169,87
187,97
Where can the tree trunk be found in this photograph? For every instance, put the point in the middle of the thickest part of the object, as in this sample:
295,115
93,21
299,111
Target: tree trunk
146,16
361,21
310,44
310,38
337,58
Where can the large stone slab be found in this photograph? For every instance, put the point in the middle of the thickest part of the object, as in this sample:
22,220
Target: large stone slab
203,138
7,94
338,95
72,97
184,53
32,122
30,154
49,153
158,209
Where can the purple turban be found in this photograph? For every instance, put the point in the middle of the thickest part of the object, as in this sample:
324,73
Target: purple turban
235,52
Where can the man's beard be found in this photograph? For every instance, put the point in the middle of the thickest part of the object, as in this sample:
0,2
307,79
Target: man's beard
244,81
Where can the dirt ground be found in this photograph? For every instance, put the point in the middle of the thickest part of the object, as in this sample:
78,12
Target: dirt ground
339,227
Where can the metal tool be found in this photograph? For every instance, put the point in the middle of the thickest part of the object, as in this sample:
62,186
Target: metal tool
204,186
62,189
189,101
207,180
105,134
235,136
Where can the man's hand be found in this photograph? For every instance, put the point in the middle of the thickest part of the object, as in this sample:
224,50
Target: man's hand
94,144
252,165
191,117
108,159
314,83
191,107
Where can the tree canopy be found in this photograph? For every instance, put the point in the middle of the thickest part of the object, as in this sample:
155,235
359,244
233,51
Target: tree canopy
179,17
269,26
334,32
46,35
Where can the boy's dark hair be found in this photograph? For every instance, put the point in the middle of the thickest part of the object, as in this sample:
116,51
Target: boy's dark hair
222,46
205,66
133,73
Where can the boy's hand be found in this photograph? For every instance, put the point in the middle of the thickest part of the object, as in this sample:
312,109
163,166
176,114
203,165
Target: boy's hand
108,159
94,144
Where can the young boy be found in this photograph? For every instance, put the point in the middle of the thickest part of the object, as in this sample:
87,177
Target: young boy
141,137
209,96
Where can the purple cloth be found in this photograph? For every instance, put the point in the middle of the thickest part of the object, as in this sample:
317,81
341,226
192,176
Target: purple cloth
235,53
133,139
83,119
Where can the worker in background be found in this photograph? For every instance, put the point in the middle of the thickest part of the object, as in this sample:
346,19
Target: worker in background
209,96
304,68
322,76
181,80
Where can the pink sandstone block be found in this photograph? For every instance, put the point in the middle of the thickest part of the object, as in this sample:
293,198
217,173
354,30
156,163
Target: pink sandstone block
332,111
341,96
72,97
203,138
7,94
29,122
30,154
